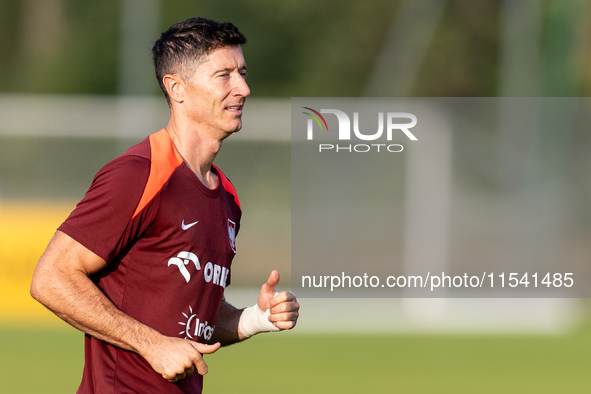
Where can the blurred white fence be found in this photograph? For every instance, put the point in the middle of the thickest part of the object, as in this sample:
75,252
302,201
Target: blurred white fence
123,116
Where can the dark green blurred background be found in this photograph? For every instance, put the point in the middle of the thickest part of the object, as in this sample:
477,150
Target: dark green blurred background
297,48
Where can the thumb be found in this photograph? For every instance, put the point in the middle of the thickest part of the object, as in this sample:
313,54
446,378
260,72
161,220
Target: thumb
269,286
268,291
205,348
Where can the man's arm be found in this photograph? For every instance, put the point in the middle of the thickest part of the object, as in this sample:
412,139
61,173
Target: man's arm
226,329
61,282
235,325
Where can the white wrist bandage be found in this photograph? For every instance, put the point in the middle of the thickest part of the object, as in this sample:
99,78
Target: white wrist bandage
253,321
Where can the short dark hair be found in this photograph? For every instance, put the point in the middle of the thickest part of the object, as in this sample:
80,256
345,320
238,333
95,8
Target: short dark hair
187,43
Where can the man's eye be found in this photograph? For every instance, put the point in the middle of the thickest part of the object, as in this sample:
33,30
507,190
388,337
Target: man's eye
244,74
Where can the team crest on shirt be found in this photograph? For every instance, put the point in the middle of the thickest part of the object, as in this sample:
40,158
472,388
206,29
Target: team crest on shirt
232,234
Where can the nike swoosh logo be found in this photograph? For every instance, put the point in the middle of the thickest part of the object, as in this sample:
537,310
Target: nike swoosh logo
188,226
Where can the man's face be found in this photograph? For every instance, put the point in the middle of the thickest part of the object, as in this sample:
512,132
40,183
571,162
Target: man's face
216,91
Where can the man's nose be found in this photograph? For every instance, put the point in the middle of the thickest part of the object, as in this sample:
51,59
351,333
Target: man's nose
241,88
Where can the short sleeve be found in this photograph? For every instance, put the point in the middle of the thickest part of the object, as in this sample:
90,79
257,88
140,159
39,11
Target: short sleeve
102,217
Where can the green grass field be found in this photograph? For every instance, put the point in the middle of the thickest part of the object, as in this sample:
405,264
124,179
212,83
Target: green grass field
43,361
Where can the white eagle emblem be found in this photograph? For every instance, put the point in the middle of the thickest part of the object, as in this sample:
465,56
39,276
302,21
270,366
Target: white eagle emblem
232,234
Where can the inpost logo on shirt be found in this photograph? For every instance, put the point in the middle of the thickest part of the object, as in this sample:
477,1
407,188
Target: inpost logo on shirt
395,122
194,328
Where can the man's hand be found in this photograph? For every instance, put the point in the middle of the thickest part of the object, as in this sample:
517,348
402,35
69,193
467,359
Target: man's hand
176,358
284,306
235,325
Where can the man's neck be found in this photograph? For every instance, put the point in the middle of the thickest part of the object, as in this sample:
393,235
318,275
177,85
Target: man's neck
197,150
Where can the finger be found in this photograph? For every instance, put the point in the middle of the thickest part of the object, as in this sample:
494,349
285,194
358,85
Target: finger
191,370
290,306
283,297
205,348
285,325
201,366
172,376
286,316
269,286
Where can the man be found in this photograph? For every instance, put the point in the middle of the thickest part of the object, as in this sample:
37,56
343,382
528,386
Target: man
141,264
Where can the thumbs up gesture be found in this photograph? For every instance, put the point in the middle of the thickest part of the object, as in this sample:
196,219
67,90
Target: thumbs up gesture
283,306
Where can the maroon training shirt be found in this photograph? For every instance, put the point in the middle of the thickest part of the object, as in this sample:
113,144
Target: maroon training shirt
168,242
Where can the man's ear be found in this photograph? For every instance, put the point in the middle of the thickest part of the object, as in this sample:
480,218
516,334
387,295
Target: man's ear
175,87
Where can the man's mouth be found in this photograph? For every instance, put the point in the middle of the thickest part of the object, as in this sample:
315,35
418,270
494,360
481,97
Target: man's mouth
235,108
